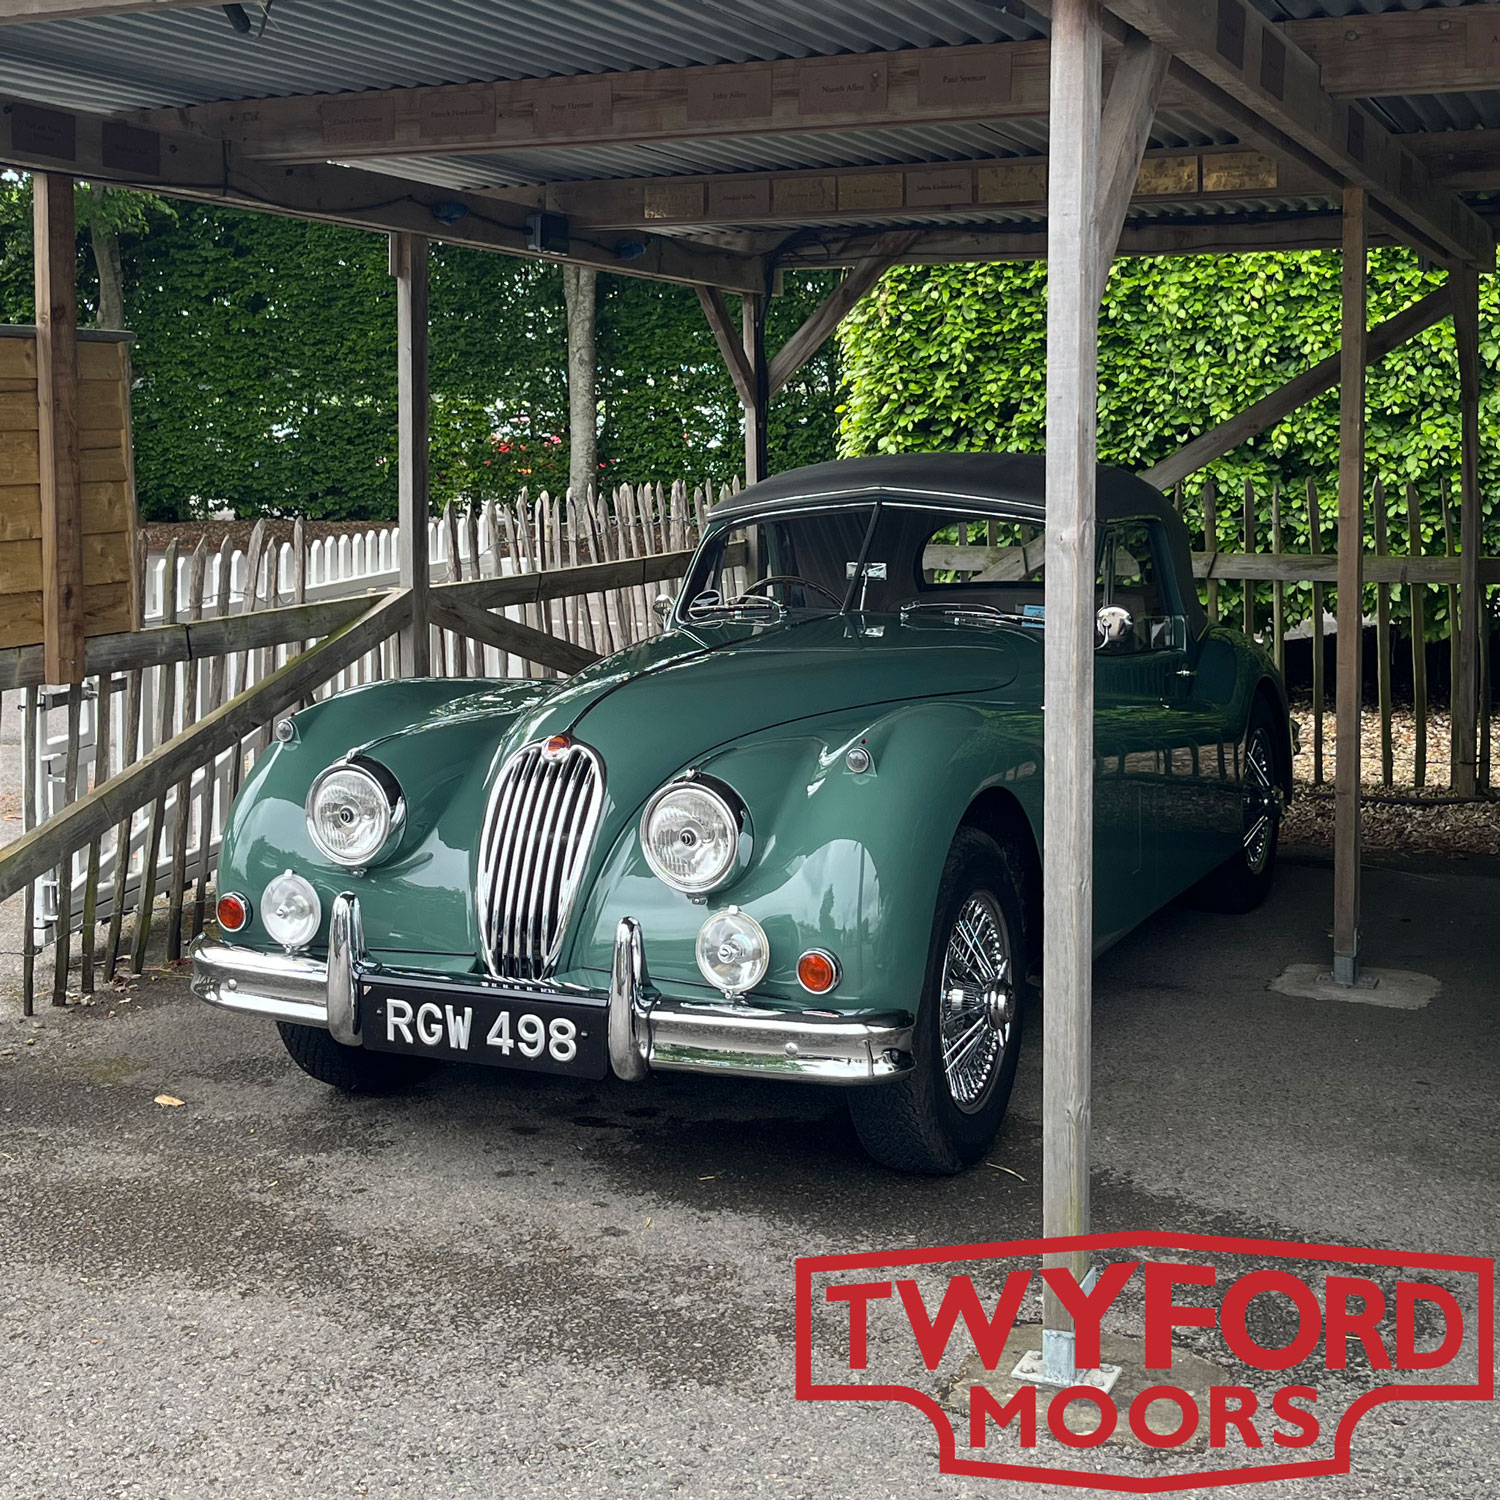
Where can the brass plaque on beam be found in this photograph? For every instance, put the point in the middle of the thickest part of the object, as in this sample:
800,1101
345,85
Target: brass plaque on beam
574,108
1238,172
842,88
870,190
940,81
1167,176
456,114
940,187
729,94
48,132
732,200
129,148
1023,182
673,200
805,195
352,121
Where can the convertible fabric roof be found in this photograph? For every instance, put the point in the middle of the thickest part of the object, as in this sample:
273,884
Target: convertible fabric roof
1013,484
998,481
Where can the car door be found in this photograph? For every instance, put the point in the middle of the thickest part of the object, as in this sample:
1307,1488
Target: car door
1149,784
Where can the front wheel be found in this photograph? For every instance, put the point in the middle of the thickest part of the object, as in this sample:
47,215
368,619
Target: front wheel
350,1070
943,1115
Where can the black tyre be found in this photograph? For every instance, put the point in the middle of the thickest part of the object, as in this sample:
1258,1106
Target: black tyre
351,1070
1244,880
943,1115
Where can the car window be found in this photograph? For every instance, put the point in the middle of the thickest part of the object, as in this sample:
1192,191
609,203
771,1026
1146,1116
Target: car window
1133,577
798,562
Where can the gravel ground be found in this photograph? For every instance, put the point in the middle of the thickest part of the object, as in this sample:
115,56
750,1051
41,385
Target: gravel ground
1400,817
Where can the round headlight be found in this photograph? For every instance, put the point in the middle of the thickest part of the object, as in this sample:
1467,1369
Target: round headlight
692,836
732,951
353,816
290,910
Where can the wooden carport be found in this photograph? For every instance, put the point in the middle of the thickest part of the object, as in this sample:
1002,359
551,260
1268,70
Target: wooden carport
719,146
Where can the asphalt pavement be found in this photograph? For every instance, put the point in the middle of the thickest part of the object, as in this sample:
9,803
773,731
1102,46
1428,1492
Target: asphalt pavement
506,1284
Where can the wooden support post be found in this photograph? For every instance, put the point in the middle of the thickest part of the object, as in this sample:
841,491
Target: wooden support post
1465,643
753,324
409,267
1350,687
1073,290
56,262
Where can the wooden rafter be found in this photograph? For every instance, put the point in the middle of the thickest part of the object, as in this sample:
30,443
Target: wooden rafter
1238,53
843,195
1129,109
186,165
1446,50
835,307
15,12
942,85
731,344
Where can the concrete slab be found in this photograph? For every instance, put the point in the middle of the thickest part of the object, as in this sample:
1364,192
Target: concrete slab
1396,989
1189,1373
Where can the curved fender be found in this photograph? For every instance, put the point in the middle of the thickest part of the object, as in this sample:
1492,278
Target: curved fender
842,861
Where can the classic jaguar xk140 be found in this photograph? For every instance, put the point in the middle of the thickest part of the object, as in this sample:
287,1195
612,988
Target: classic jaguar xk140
795,836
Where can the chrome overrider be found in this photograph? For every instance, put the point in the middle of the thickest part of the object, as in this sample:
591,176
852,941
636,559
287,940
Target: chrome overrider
647,1030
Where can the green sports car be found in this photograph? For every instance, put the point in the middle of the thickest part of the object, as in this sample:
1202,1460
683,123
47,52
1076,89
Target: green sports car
797,835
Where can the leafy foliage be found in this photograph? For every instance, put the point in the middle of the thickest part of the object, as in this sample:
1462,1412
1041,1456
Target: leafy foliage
264,362
954,357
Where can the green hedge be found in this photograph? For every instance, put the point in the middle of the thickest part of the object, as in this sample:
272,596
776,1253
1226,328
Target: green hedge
954,357
266,375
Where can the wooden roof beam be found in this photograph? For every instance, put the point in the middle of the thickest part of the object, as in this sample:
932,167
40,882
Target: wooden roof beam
1449,50
939,85
844,195
185,165
15,12
1239,53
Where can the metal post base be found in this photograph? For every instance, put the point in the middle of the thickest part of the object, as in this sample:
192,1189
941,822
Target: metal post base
1057,1365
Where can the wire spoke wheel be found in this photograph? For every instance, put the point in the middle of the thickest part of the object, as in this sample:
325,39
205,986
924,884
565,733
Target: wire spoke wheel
1262,800
977,995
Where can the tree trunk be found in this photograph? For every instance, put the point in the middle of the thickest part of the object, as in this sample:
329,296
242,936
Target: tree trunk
579,287
106,244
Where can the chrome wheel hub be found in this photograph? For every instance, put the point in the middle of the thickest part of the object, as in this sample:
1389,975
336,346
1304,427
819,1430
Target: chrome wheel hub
978,1011
1264,801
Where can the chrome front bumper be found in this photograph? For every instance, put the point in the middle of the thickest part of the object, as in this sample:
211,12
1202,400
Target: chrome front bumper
647,1031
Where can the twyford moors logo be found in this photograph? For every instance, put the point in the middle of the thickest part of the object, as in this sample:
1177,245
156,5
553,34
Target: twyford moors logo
1200,1360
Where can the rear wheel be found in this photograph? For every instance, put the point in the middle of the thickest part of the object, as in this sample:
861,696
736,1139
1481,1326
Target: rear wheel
351,1070
1244,880
942,1116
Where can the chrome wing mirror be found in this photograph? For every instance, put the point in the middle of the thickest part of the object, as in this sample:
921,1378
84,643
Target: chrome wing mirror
661,607
1113,624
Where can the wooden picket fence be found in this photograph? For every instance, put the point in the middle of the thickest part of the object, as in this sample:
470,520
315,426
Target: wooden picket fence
223,624
1264,577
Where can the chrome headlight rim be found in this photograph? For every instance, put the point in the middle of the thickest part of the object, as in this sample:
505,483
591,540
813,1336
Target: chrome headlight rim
736,816
395,803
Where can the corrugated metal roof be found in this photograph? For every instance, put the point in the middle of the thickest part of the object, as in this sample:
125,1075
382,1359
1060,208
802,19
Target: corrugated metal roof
181,57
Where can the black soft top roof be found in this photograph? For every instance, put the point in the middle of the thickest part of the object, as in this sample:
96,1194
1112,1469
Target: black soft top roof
1012,484
1008,482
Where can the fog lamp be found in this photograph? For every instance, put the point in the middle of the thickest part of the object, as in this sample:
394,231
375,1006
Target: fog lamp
732,951
291,911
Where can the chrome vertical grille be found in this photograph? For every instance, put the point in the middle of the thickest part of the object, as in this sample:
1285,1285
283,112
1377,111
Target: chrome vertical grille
539,827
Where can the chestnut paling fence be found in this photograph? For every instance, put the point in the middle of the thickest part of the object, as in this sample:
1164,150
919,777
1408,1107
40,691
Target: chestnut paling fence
128,775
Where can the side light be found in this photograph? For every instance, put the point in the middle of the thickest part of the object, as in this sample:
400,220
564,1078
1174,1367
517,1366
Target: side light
817,971
232,912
